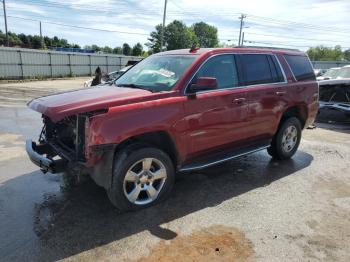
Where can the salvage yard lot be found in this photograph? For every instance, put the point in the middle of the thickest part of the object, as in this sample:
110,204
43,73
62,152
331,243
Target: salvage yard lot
252,208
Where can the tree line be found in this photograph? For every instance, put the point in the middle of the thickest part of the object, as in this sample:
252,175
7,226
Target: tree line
35,42
322,53
177,35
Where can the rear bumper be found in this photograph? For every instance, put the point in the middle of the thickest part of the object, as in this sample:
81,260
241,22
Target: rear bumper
36,155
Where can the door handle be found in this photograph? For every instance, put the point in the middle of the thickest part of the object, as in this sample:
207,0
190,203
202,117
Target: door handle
281,93
239,100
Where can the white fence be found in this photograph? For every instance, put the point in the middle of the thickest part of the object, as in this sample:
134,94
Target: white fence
19,63
329,64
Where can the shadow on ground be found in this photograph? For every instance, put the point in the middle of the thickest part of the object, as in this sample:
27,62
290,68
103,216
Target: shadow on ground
82,218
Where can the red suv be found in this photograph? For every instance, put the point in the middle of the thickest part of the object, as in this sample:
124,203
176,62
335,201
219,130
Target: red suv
177,111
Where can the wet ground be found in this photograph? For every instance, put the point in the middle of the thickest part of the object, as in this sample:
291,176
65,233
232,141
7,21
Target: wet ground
250,209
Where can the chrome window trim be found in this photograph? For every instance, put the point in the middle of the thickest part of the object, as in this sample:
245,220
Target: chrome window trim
237,87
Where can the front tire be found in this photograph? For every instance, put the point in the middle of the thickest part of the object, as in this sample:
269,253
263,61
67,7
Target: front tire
141,178
287,139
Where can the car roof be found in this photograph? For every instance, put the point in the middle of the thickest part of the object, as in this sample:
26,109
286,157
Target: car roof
201,51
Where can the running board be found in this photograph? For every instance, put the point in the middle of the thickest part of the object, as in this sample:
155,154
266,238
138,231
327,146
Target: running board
200,164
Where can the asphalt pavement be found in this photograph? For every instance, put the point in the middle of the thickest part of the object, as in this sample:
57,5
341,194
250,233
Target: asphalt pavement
249,209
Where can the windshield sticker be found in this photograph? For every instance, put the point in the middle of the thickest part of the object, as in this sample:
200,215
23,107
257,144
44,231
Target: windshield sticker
166,73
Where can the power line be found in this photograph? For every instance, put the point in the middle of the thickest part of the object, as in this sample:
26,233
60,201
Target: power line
192,13
299,24
296,27
297,38
75,26
281,44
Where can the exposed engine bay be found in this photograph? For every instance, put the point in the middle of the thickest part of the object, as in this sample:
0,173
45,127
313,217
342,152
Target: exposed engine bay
66,136
334,101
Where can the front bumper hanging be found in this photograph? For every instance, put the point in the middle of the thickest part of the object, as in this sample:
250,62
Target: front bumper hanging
36,154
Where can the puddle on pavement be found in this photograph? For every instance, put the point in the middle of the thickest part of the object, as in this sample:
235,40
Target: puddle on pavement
216,243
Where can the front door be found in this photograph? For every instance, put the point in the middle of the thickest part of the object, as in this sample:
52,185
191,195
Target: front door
217,117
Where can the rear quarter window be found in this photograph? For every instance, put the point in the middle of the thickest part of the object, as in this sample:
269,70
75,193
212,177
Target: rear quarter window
301,67
260,69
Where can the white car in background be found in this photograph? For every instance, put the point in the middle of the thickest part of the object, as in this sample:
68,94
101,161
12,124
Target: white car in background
109,77
343,73
330,74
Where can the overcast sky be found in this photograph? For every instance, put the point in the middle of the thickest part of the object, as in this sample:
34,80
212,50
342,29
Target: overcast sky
286,23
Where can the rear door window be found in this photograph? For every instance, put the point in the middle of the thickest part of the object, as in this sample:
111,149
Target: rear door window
301,67
223,68
259,69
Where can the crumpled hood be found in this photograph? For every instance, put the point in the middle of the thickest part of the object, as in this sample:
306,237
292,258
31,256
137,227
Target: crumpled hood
58,106
338,81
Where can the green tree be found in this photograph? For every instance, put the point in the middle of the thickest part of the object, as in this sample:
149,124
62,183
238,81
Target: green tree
107,50
347,54
2,38
96,48
14,40
322,53
207,35
177,36
137,50
35,42
126,49
155,39
118,50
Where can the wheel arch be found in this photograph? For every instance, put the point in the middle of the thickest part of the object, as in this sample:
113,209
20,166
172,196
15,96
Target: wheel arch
298,111
159,139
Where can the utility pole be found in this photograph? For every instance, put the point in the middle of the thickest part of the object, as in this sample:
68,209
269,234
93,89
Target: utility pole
163,27
5,17
242,38
41,36
240,29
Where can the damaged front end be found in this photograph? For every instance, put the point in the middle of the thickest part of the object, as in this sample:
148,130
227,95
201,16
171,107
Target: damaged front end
334,101
59,144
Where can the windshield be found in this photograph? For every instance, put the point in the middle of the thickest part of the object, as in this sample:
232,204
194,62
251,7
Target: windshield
331,73
156,73
344,72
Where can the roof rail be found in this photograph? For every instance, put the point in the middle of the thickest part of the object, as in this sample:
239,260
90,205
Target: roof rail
269,47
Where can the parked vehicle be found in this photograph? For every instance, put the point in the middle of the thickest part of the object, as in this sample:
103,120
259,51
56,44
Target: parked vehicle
330,74
334,100
343,73
177,111
320,72
109,77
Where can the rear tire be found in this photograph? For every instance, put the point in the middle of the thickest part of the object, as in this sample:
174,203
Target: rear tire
141,177
287,139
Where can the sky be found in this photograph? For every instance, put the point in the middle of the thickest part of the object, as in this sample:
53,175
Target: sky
284,23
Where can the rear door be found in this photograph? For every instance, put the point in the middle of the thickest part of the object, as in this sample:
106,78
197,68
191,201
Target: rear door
266,93
217,117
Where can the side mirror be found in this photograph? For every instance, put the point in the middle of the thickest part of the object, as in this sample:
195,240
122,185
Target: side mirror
203,84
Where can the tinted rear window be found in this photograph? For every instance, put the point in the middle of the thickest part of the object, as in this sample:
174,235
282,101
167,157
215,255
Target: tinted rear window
301,67
260,69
